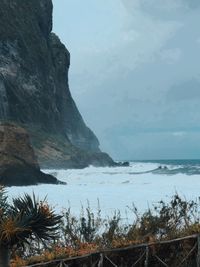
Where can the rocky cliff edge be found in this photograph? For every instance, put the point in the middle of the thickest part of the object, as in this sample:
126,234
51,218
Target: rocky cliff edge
34,91
18,163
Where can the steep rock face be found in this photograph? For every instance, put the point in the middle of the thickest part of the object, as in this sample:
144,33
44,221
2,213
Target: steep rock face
18,163
34,89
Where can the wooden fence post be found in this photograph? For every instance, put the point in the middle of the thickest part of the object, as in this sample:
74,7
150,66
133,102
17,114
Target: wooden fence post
198,251
100,264
146,263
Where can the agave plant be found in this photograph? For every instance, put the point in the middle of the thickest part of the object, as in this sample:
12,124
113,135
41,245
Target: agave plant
27,219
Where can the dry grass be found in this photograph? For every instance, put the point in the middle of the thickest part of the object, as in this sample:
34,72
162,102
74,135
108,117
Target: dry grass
91,233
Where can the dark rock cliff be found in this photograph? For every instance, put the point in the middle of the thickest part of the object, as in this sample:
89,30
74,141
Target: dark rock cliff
34,89
18,163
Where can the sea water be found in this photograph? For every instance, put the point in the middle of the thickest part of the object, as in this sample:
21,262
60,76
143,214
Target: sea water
143,183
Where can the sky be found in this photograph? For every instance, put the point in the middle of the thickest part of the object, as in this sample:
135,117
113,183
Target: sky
135,73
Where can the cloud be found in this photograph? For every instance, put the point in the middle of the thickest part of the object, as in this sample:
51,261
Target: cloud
179,134
162,9
137,68
139,40
170,56
188,90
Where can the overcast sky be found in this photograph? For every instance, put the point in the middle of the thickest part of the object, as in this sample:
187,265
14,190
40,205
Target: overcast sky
135,73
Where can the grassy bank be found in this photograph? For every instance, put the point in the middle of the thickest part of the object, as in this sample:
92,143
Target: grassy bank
90,232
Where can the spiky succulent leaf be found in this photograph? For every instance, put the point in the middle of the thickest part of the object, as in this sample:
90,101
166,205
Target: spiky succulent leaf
4,206
28,219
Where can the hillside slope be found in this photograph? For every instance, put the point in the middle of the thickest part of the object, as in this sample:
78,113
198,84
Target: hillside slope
34,89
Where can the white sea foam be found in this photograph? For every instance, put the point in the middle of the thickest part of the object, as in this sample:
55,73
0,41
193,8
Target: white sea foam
115,188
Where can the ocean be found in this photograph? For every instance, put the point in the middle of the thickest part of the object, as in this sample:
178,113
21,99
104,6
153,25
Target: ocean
143,184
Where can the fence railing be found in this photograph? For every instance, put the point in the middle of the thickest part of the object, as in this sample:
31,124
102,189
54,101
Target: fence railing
180,252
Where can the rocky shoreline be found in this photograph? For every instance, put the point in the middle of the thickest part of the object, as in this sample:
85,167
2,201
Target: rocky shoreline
18,163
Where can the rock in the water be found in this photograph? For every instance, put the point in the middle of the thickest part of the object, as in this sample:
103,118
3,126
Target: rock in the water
123,164
18,163
34,89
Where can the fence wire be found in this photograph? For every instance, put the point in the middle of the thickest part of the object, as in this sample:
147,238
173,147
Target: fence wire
182,252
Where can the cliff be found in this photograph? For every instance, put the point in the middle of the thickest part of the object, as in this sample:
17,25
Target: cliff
34,91
18,163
